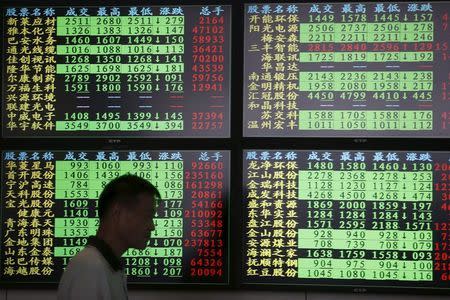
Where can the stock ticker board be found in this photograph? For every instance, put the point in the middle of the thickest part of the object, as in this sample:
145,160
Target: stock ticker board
347,218
49,208
155,71
375,69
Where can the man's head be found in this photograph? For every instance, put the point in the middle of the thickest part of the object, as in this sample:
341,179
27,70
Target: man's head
127,205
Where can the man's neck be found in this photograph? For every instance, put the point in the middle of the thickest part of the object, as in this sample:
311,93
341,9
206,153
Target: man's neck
116,245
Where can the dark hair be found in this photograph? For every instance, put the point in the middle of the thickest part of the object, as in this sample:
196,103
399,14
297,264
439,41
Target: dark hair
124,189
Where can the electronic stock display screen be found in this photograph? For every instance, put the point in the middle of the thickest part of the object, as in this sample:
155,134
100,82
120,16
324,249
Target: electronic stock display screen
347,69
135,71
346,218
49,208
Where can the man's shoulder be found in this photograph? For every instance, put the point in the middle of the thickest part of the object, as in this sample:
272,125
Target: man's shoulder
84,277
87,259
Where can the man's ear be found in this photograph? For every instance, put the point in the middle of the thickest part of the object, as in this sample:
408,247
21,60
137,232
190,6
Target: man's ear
116,211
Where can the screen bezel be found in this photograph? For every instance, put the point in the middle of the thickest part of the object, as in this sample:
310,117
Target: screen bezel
110,134
134,284
309,133
360,288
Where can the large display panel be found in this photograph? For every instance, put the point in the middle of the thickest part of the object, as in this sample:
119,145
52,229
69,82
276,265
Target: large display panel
48,210
116,71
346,218
347,69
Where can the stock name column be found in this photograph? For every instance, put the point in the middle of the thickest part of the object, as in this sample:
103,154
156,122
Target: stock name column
271,226
29,70
28,202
